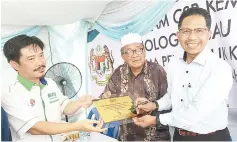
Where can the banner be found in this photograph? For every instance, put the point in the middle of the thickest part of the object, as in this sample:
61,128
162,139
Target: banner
161,43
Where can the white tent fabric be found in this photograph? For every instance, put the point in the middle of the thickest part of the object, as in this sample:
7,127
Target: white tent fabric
140,17
60,15
120,12
53,12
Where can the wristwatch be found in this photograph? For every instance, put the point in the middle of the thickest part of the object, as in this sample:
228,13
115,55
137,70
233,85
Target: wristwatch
157,105
153,113
158,118
156,113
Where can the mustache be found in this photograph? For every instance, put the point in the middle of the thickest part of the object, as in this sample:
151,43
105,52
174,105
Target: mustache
42,66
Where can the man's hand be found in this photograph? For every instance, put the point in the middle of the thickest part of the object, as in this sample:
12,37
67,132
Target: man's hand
83,101
52,128
145,120
106,95
86,100
87,125
144,105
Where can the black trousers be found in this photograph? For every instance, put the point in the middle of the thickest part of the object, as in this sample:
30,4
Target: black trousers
220,135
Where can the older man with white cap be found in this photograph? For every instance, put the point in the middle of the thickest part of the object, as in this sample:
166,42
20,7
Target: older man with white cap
138,78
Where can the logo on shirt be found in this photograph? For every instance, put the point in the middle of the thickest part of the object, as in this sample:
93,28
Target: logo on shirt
101,64
52,97
32,102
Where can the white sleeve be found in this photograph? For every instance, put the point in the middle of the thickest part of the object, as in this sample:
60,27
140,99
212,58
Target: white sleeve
20,115
165,101
213,92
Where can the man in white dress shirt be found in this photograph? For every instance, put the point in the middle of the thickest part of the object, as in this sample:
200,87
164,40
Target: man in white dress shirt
198,86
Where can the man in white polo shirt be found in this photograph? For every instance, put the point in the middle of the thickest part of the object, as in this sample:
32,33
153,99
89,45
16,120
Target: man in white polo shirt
34,104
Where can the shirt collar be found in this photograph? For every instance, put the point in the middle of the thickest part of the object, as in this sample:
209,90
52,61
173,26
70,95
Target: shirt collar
200,59
28,84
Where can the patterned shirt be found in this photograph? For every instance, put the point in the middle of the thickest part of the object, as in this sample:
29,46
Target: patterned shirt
137,87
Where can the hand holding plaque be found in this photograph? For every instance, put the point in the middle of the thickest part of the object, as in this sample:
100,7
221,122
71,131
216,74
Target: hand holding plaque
143,106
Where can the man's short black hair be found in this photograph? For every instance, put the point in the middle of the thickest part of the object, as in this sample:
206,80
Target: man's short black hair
14,45
196,11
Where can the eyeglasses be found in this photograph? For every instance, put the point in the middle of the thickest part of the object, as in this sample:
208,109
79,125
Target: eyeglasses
197,32
131,52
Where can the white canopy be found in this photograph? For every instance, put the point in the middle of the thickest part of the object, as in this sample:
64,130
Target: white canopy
49,12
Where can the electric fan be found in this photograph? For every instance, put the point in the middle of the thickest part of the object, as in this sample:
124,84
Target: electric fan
67,77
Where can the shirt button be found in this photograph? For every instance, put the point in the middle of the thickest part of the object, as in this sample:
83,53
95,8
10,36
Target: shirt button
186,71
181,100
183,85
189,85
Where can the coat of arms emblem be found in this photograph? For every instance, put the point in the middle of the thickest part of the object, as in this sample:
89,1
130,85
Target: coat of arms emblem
101,64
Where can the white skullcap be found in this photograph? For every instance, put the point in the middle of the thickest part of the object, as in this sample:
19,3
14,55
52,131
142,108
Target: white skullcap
130,38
